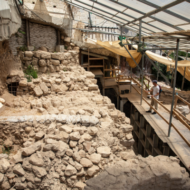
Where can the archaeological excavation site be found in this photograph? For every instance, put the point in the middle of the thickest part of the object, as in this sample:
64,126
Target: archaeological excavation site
94,94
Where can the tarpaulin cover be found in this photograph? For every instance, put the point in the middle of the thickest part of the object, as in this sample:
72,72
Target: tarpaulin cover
117,49
171,63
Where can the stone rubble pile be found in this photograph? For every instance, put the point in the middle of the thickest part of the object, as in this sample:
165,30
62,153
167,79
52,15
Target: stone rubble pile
70,78
59,155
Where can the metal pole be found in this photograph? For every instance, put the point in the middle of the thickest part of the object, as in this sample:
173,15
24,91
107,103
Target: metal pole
140,26
174,83
158,72
121,33
132,58
142,77
131,79
184,73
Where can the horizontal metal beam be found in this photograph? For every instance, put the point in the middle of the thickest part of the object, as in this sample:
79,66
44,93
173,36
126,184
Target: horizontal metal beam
103,27
104,17
113,15
159,49
101,32
152,17
98,14
104,5
166,11
159,10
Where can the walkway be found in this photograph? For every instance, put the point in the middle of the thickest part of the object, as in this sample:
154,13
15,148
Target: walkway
176,143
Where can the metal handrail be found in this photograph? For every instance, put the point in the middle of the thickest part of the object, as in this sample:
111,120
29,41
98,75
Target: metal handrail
174,113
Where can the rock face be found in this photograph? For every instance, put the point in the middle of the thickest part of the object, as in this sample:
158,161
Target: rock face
140,173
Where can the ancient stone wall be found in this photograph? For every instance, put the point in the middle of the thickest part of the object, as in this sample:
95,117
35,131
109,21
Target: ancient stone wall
40,35
18,40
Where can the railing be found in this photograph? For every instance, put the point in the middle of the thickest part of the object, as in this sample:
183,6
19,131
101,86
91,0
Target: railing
145,79
177,97
175,114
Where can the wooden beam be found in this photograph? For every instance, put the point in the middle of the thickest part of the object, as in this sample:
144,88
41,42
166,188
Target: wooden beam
184,101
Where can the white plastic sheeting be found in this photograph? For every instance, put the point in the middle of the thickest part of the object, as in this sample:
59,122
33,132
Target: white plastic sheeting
10,20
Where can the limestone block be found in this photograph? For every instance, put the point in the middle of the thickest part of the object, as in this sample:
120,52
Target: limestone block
93,170
45,55
87,137
86,162
58,56
36,160
31,149
55,62
58,81
75,136
95,158
60,48
28,54
92,87
65,62
37,54
80,185
52,69
38,91
34,61
39,135
127,155
39,171
44,88
42,62
70,170
17,158
127,128
23,83
4,165
105,151
89,75
67,56
18,170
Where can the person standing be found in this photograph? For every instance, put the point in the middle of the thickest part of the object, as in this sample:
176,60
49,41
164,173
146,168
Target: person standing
155,93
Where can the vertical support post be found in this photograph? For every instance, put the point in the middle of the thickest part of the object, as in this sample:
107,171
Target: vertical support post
131,80
140,25
174,83
142,77
88,60
121,32
158,72
27,33
182,86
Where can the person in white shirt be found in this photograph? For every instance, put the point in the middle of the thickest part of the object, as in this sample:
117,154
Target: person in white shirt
155,93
